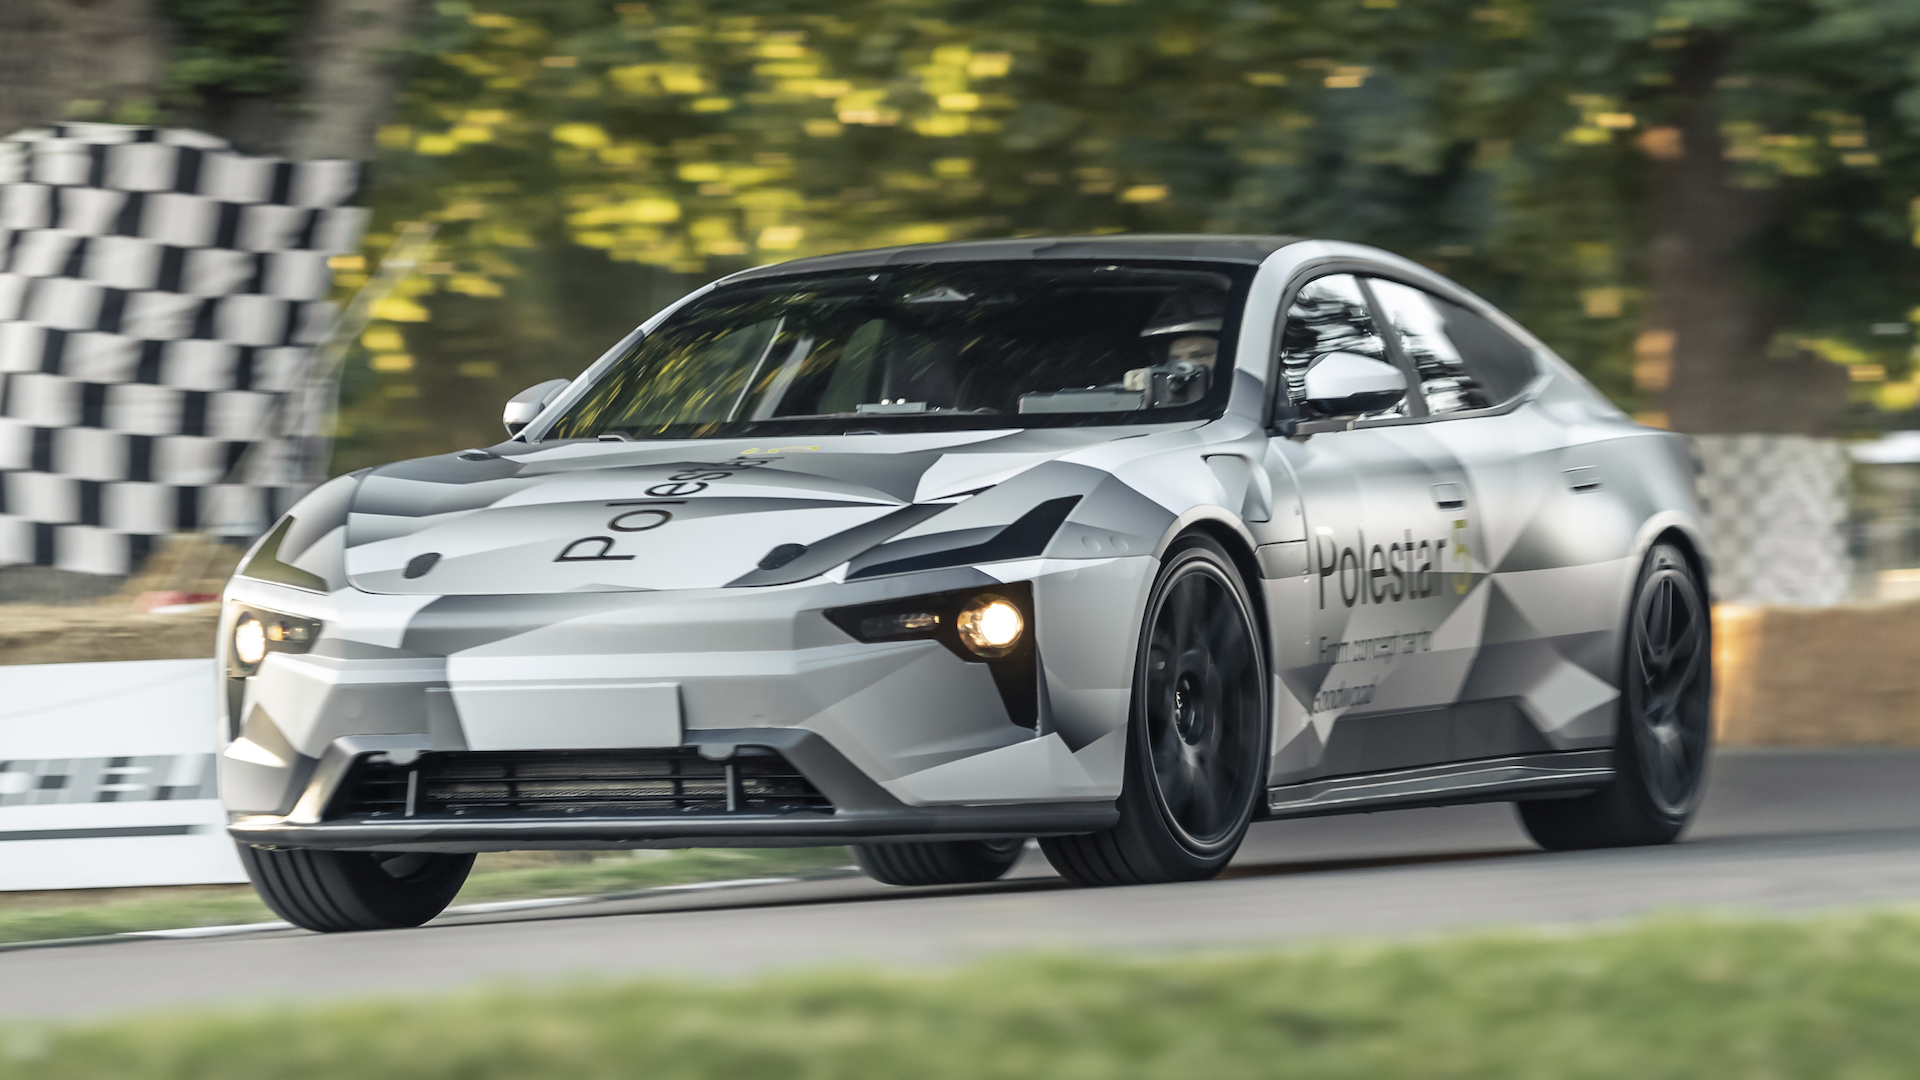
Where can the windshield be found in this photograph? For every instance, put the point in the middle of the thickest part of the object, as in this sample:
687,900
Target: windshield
928,348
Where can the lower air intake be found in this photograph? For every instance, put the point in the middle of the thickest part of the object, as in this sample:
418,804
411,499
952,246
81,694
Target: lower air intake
520,784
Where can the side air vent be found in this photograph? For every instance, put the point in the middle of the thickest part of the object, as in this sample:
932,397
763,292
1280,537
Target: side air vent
549,784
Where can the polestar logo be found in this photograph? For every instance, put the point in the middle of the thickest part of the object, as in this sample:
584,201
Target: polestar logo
1404,569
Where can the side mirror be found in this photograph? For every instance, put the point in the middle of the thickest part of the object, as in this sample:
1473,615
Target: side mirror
1344,383
526,404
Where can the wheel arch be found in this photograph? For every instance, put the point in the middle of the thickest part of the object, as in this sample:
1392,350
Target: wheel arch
1240,549
1682,532
1690,550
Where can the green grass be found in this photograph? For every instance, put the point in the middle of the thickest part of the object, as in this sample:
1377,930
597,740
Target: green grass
85,913
509,876
1669,999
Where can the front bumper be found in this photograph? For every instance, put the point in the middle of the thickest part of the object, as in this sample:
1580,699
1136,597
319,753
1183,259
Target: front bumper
905,739
854,809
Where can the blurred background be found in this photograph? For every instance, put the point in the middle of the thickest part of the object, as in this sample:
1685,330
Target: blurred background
1709,208
249,244
385,217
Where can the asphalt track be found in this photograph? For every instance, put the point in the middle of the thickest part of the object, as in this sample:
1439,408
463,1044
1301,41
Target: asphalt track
1780,831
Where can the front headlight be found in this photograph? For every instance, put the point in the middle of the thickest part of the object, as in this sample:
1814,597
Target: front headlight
990,625
256,632
249,641
978,624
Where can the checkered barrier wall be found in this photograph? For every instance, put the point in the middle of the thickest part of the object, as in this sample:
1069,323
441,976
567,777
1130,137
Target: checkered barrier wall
1776,511
160,297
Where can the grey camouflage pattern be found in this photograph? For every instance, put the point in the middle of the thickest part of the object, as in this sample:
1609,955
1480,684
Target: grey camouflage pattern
574,565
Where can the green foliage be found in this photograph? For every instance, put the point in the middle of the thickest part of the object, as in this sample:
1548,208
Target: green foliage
1667,1000
233,47
1507,143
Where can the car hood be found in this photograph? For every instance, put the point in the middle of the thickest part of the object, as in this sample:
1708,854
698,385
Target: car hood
611,516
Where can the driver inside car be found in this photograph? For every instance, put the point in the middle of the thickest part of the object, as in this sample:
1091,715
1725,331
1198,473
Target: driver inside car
1189,325
1202,349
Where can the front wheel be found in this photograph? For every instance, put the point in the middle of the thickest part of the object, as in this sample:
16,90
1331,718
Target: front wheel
1660,751
1197,739
332,891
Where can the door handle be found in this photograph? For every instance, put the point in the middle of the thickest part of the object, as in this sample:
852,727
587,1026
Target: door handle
1449,497
1582,479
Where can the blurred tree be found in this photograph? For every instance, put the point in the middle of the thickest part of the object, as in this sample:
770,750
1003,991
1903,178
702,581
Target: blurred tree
1760,158
102,57
305,78
1700,203
1705,204
702,137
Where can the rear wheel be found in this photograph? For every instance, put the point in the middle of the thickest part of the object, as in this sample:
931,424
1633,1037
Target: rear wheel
938,862
1660,752
1197,741
332,891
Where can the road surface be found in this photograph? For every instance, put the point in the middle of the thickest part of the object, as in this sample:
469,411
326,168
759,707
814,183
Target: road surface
1780,830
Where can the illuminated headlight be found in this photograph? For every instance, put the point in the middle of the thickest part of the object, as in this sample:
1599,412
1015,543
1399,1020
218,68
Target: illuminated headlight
249,641
257,632
976,624
991,625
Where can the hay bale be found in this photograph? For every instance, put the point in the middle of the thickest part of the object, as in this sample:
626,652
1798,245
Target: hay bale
35,634
1846,675
113,627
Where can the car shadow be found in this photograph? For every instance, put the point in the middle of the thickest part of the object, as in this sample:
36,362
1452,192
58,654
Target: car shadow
847,889
1273,868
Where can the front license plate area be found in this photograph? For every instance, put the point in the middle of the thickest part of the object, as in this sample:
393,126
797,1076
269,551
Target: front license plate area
569,716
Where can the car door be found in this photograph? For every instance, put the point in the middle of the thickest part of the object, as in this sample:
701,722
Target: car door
1389,560
1542,677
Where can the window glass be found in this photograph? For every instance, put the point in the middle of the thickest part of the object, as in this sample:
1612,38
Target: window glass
1503,365
1464,361
929,348
1328,315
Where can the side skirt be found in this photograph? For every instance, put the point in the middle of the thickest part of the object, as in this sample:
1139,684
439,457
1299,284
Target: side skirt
1489,780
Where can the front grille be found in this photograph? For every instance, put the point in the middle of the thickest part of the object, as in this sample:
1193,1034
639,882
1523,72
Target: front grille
550,783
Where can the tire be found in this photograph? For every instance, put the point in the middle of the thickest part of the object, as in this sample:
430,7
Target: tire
938,862
1660,748
1197,738
333,891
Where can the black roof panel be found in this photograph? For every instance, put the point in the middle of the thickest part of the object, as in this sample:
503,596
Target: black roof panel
1197,246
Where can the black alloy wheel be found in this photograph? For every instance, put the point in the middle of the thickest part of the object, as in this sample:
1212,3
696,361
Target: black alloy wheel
1196,756
1660,752
1668,686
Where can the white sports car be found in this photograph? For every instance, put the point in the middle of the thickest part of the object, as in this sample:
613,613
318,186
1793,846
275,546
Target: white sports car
1117,542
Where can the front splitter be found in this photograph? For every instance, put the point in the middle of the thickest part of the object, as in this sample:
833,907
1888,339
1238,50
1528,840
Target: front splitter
732,830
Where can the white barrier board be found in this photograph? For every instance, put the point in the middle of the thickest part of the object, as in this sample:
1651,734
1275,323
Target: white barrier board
107,776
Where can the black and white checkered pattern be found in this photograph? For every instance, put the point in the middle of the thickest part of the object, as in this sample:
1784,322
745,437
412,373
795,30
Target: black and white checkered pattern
156,778
1776,513
160,298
